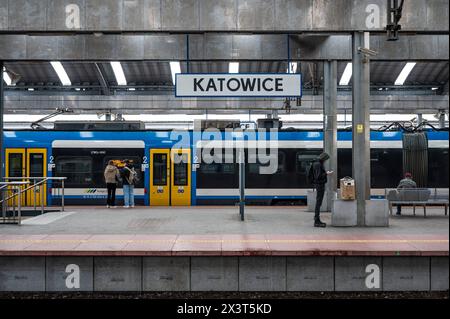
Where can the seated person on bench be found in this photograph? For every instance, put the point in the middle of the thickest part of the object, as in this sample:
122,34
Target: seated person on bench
407,182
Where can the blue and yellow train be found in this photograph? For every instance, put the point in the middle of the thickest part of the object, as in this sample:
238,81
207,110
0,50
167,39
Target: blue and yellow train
81,156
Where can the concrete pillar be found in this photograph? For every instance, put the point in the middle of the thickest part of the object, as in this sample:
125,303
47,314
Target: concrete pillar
361,123
330,126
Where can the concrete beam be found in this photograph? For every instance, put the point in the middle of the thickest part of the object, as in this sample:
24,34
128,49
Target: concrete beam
137,104
216,15
215,46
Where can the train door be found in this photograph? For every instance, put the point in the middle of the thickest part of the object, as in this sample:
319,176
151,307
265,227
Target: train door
170,177
15,167
159,177
36,168
180,178
31,162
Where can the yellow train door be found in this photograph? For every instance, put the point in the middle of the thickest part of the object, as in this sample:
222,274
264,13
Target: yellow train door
159,177
15,167
180,177
36,160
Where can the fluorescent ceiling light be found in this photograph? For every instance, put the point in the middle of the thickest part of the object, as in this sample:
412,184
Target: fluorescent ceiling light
77,89
174,69
405,72
118,73
59,69
347,75
6,77
131,89
292,67
434,89
233,67
30,89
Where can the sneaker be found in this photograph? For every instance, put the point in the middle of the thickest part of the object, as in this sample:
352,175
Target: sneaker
113,206
319,224
132,206
107,206
126,206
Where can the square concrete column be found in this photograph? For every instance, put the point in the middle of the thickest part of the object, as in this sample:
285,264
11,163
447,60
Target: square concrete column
361,122
330,127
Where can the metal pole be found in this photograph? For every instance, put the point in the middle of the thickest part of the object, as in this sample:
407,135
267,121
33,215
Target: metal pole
19,205
41,189
62,197
419,118
241,181
34,190
330,126
361,123
441,119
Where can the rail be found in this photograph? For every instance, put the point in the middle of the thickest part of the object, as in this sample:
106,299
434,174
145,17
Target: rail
14,191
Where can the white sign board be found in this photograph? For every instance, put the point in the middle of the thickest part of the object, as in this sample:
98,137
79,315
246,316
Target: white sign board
238,85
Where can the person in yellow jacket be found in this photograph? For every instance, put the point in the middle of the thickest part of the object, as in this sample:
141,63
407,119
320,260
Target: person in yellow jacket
112,176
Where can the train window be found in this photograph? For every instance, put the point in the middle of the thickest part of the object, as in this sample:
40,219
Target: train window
15,165
119,161
180,177
36,164
78,170
159,169
228,165
304,161
253,168
209,168
228,168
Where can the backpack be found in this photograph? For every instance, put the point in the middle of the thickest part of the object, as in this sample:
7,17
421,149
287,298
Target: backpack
311,178
132,179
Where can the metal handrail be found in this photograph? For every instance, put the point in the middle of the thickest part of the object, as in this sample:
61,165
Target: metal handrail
18,190
6,186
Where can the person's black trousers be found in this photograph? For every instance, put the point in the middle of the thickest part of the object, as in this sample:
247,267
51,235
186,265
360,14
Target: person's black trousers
111,200
320,191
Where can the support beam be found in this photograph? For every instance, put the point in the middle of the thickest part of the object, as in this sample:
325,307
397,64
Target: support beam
101,79
330,126
218,15
137,104
214,46
361,124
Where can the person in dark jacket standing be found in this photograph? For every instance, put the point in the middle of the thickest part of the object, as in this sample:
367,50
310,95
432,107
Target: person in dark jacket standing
319,180
129,178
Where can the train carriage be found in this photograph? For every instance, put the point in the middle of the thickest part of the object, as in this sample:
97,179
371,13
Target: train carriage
166,180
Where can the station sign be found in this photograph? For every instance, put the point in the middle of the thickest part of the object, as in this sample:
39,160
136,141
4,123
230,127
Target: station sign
238,85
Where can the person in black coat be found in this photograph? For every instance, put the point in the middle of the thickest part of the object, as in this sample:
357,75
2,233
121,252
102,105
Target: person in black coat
319,179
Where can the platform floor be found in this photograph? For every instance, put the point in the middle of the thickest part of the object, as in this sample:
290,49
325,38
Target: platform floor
218,231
